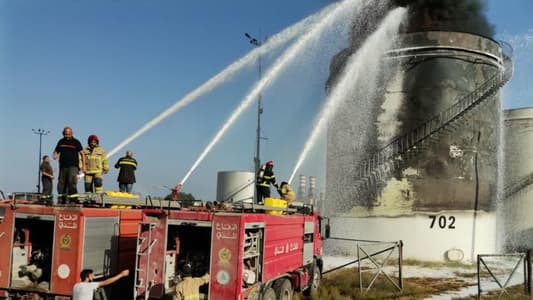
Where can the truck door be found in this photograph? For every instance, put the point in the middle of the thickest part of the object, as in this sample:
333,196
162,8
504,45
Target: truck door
225,257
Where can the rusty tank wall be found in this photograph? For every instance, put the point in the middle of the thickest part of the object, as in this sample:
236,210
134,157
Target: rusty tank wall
428,73
443,199
519,178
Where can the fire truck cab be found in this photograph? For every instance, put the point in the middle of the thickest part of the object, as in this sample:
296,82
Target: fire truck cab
249,253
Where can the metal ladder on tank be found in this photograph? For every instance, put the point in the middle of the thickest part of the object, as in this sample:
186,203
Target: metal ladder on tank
144,239
391,157
516,187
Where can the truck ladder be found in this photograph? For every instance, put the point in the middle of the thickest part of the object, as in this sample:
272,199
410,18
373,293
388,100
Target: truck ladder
143,254
391,157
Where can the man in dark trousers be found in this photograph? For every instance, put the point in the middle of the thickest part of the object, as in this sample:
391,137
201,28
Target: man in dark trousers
68,151
265,178
126,175
47,176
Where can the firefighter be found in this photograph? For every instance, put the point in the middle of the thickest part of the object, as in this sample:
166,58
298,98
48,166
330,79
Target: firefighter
68,151
96,164
126,175
265,178
286,193
189,287
47,176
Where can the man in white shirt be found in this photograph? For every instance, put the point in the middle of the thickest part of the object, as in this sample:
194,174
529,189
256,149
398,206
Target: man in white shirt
84,290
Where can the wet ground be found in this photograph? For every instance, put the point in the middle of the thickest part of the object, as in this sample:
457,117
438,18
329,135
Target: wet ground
441,282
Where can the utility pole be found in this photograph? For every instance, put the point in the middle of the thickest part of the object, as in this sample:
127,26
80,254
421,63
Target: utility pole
257,158
40,132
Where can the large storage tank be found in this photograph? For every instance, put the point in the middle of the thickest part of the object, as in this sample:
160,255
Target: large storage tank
235,186
440,198
519,178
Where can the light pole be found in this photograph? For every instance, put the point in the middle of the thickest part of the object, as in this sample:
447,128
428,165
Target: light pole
257,159
40,132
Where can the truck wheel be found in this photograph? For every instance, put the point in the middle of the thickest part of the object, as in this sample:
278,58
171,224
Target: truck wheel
315,283
283,289
269,294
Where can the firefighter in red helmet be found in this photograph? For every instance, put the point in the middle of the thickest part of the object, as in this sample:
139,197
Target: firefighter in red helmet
265,178
96,164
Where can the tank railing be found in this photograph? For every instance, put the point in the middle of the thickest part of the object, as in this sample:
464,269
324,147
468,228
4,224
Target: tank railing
507,49
514,188
389,157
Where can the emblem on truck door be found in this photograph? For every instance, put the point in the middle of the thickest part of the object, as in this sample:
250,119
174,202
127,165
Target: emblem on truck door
224,255
65,241
223,277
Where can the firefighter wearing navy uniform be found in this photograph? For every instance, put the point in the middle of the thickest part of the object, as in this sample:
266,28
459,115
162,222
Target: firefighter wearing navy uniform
265,178
68,151
126,175
96,164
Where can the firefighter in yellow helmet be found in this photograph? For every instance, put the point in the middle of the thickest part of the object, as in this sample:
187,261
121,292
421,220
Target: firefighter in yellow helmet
96,164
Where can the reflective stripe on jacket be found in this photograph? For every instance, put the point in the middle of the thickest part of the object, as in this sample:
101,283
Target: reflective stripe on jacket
95,160
127,166
266,177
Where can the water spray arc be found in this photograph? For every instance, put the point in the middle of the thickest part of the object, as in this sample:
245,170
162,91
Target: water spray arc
330,16
377,43
272,43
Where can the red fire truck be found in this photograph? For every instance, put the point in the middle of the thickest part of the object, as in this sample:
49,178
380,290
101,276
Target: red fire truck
250,251
44,248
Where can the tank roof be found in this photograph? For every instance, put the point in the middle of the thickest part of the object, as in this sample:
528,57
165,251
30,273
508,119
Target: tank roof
518,113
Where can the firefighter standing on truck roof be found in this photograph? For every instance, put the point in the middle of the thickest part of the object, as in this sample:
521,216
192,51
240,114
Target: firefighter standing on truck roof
126,175
68,151
96,164
47,176
265,178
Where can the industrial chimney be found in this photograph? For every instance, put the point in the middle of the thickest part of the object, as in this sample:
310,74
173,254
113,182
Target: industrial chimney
311,193
301,188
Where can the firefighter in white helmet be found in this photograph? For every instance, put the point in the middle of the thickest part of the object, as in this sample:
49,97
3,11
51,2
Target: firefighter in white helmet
96,164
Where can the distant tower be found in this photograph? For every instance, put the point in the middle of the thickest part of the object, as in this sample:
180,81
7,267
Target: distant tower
311,193
301,188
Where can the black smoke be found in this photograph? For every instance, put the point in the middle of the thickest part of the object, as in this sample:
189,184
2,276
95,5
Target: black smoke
448,15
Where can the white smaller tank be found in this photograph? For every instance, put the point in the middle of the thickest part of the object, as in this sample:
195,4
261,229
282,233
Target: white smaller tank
235,186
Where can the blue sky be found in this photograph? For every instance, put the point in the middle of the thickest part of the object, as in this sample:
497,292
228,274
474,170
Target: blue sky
108,67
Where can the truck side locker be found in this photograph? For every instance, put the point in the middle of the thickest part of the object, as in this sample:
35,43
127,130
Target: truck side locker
252,259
